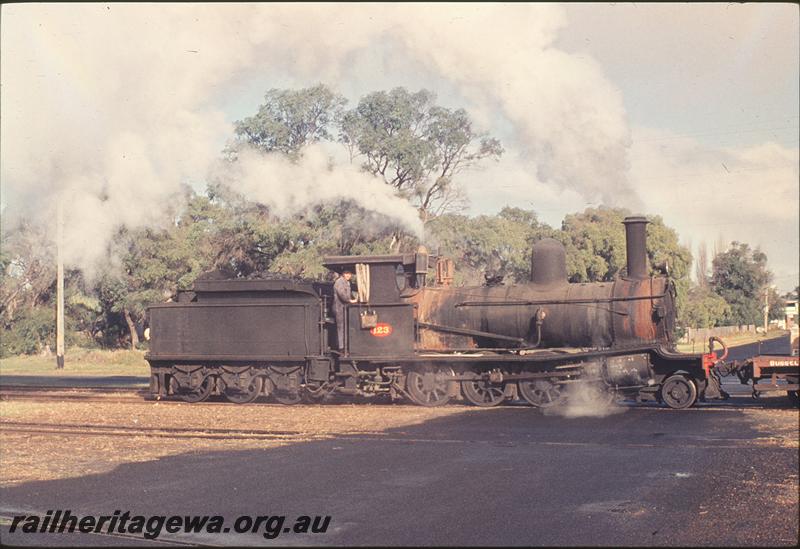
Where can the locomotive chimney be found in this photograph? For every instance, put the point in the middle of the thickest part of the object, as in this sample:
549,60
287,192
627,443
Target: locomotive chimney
548,262
635,245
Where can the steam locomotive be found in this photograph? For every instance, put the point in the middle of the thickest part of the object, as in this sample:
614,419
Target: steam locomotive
412,334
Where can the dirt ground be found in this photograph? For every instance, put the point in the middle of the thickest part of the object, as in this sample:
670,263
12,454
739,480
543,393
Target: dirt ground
712,475
33,448
56,440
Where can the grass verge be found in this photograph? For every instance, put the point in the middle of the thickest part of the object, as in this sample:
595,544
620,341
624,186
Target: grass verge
701,345
89,362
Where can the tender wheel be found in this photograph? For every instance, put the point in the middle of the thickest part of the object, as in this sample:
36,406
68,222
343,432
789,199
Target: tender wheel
542,393
678,392
482,393
202,393
428,387
249,395
289,399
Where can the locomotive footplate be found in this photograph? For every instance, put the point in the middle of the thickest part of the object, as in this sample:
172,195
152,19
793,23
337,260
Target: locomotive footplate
499,377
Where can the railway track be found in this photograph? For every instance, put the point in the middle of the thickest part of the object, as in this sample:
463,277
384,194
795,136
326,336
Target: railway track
85,394
86,429
128,395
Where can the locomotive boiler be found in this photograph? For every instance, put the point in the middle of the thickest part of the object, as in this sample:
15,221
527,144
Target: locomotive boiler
412,334
550,312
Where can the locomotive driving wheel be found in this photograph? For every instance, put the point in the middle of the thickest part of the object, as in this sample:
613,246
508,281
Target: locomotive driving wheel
249,394
482,392
315,393
678,392
429,386
542,393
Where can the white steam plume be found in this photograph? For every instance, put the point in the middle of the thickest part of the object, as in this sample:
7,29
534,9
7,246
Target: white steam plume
289,187
568,117
114,107
586,400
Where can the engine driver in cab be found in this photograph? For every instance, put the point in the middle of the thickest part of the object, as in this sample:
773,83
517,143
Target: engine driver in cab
342,295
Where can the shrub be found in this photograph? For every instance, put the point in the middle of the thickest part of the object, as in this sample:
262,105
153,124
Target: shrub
30,333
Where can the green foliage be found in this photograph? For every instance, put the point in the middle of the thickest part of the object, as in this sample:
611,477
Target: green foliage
416,146
27,279
702,308
776,305
34,331
82,310
220,230
740,276
664,252
485,244
595,244
290,119
31,331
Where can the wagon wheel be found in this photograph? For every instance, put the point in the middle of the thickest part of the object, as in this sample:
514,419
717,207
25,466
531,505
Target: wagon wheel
542,393
201,393
794,396
481,392
252,392
678,392
429,387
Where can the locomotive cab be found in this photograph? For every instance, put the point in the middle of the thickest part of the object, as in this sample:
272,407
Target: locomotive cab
382,321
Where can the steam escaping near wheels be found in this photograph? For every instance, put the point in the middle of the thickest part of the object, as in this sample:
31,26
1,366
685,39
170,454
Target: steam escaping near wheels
586,399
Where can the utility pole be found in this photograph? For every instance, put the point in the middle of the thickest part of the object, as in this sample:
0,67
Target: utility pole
59,287
766,309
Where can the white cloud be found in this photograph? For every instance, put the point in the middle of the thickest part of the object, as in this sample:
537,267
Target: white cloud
750,194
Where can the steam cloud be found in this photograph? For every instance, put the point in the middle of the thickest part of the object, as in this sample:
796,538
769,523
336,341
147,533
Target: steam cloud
585,400
288,187
112,109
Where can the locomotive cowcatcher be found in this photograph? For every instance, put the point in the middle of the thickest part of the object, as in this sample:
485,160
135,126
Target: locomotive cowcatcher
411,334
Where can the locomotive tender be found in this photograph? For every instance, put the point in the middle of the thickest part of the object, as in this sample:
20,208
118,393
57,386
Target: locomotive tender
412,334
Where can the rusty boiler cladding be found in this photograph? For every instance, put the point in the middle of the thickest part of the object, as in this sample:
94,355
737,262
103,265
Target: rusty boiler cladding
549,311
